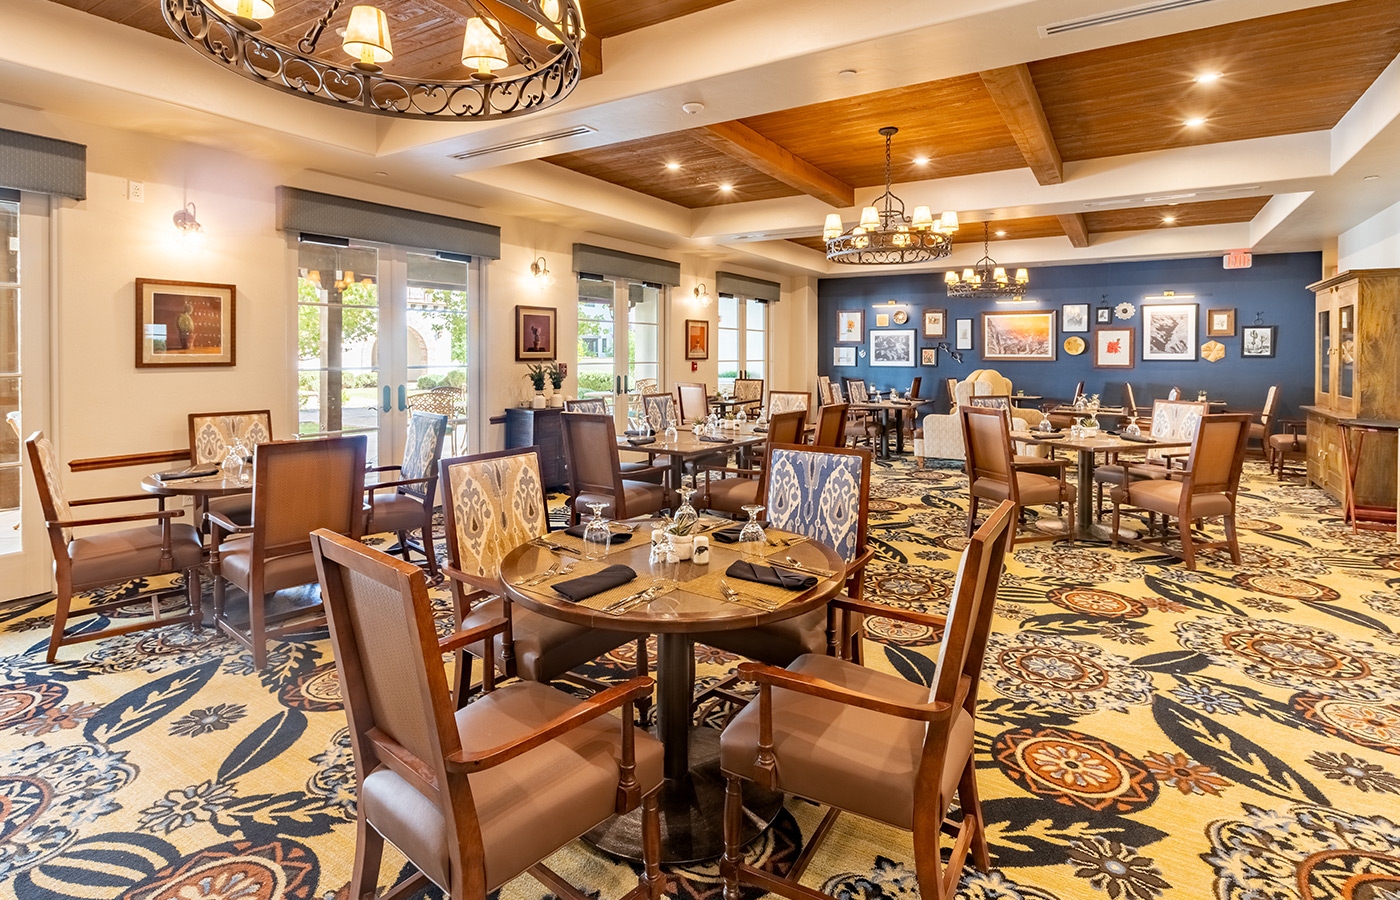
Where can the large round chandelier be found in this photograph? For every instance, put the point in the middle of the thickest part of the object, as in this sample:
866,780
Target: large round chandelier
886,236
986,278
507,77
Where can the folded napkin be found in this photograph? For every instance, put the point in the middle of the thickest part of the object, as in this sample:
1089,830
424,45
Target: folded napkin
586,586
638,441
761,429
618,537
633,431
190,472
728,535
792,581
1140,438
716,440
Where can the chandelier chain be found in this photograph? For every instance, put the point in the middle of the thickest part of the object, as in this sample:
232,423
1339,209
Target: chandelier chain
313,34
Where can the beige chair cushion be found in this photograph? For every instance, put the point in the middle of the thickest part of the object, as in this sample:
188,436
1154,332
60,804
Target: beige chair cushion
731,495
777,643
841,755
1113,474
545,648
528,807
1285,441
395,512
131,553
643,498
1165,496
1035,489
236,559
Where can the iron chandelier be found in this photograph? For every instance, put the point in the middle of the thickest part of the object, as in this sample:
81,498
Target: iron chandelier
227,33
986,278
886,236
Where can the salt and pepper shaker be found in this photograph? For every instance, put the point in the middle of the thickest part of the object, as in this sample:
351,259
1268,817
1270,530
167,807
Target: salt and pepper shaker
700,552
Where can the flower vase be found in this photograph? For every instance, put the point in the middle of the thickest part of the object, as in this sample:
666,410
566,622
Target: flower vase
538,402
556,400
683,545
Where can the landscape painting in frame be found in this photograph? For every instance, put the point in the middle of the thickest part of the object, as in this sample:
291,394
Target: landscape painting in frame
1018,335
892,348
1169,331
850,326
184,323
1113,348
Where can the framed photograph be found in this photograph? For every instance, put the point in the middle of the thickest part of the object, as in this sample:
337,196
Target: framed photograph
935,323
1169,331
1113,348
843,356
185,323
697,338
892,348
882,320
1260,341
1103,315
1018,335
534,333
1074,318
964,335
1220,323
850,326
928,356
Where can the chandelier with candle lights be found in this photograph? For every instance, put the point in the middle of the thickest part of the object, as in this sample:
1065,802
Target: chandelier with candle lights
885,235
986,278
524,59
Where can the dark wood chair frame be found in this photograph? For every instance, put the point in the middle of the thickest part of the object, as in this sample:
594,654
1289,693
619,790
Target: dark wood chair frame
614,489
831,426
1040,467
777,426
429,485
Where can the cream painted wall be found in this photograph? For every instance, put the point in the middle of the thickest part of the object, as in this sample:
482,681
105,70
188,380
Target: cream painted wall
1374,244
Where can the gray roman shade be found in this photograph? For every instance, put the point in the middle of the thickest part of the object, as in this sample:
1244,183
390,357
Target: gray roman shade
307,212
744,286
589,260
42,165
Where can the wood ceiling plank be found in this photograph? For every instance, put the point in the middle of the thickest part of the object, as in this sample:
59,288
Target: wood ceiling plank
1013,91
737,140
614,17
1076,229
1205,212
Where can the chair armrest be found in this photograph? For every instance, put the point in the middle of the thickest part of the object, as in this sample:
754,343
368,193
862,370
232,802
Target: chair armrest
369,469
1293,424
772,676
599,704
458,639
109,520
371,488
126,498
1042,463
857,565
649,470
224,523
866,608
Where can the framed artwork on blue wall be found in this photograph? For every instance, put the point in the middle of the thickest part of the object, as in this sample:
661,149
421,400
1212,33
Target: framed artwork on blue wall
1074,318
892,348
928,356
1103,315
1259,341
1169,331
843,356
850,326
964,335
935,323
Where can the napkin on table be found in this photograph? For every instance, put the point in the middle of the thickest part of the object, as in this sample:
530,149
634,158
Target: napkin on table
792,581
586,586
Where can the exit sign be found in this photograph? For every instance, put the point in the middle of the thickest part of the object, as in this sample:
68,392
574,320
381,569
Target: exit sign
1238,259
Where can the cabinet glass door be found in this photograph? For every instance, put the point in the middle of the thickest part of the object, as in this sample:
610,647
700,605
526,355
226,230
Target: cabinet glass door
1346,352
1323,384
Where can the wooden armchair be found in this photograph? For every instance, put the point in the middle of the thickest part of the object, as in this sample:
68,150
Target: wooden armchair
787,401
478,796
693,400
730,495
831,426
749,390
298,487
1293,439
660,411
1263,429
410,506
112,557
595,474
1172,420
211,434
875,744
994,473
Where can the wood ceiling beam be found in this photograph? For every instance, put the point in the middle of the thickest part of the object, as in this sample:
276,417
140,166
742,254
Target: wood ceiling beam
1075,229
739,141
1014,93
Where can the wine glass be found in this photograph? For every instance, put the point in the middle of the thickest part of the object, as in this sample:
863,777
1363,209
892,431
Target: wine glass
1201,396
1132,429
597,536
752,535
233,467
671,434
685,516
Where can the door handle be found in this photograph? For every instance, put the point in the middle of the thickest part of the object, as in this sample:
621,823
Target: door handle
403,397
617,384
387,406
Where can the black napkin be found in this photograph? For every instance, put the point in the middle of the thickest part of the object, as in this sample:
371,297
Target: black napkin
1140,438
716,440
586,586
618,537
792,581
729,535
638,441
190,472
761,429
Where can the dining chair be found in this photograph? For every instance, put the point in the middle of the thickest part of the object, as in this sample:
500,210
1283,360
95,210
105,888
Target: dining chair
660,410
1263,429
442,401
1172,421
473,797
831,426
1030,462
1293,439
952,385
595,474
750,391
856,390
1131,412
909,417
642,469
859,422
824,391
693,400
493,503
410,506
298,487
994,474
1174,394
594,405
93,561
873,743
787,401
837,394
740,487
1205,489
211,434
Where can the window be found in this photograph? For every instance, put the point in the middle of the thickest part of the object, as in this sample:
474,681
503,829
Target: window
611,359
743,339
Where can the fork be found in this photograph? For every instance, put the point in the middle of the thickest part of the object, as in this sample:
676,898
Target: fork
789,563
734,596
536,579
637,599
547,544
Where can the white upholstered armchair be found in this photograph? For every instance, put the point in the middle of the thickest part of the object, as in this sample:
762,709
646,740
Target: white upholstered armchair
941,436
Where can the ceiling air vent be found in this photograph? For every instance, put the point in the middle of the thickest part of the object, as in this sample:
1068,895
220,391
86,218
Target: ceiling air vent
525,142
1117,15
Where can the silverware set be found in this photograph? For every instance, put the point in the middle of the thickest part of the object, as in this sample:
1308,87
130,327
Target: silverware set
657,588
562,567
547,544
734,596
787,562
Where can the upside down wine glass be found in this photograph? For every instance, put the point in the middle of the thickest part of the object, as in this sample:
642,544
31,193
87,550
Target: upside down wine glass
752,535
597,536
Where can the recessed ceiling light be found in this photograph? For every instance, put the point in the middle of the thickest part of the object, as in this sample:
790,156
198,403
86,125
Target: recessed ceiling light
381,174
1168,219
921,160
847,73
673,166
1207,77
1001,233
726,187
1195,122
1370,177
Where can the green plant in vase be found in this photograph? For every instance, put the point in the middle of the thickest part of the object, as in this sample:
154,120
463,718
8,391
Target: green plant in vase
537,374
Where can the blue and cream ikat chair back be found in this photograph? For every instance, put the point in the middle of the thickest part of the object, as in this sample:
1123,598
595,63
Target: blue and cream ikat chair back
211,434
493,503
660,410
410,507
594,405
821,493
421,451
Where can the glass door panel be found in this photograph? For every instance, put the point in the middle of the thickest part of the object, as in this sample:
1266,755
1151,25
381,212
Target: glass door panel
644,333
756,339
437,341
597,340
1323,386
728,333
1346,351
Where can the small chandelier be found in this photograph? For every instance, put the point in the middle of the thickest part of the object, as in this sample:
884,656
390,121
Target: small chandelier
228,33
887,236
986,278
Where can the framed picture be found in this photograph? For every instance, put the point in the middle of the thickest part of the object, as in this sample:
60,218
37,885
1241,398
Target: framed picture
1113,348
1074,318
697,338
1169,331
882,320
964,335
935,323
1259,341
1220,323
850,326
892,348
534,333
928,356
1103,315
1018,335
185,323
843,356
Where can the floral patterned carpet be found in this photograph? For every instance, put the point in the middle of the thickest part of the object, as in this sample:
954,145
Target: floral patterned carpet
1144,732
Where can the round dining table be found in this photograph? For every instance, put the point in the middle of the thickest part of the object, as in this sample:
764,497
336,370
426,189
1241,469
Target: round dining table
692,797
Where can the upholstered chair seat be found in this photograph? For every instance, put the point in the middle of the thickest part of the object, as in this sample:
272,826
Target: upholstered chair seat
131,553
543,648
396,512
1172,420
1035,489
236,560
642,498
1165,497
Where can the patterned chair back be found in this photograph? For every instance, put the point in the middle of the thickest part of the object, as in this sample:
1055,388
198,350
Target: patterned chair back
1174,420
837,395
421,452
824,390
966,390
492,503
855,387
211,434
595,405
52,498
748,389
787,401
659,409
992,401
821,493
694,399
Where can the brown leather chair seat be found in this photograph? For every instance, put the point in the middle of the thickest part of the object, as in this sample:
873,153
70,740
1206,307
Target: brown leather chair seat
1035,489
1165,497
642,497
731,495
545,648
1289,442
118,555
395,512
279,573
857,759
785,639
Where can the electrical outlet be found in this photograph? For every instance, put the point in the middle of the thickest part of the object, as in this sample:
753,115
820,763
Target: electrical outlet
136,191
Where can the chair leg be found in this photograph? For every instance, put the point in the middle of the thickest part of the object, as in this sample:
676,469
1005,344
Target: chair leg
257,624
971,515
369,849
651,849
428,549
971,804
1188,546
643,669
1232,538
1117,513
733,853
60,621
194,595
403,545
928,864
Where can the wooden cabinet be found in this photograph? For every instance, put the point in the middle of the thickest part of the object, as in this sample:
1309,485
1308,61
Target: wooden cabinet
540,428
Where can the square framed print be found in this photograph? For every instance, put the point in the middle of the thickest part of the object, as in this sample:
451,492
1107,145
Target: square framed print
935,323
1220,323
1113,348
928,356
1074,318
697,338
850,326
963,339
882,320
534,333
1260,341
1103,315
1018,335
185,323
1169,331
843,356
892,348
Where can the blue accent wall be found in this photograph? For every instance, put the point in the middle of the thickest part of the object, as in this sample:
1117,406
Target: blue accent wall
1276,286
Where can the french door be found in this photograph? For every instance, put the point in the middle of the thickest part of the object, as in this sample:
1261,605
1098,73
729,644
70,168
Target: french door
381,329
620,339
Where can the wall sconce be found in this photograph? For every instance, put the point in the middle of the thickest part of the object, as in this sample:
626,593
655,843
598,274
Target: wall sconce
540,272
702,296
186,222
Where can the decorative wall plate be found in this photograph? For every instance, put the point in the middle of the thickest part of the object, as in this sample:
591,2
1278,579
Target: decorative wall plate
900,317
1124,310
1074,345
1213,351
